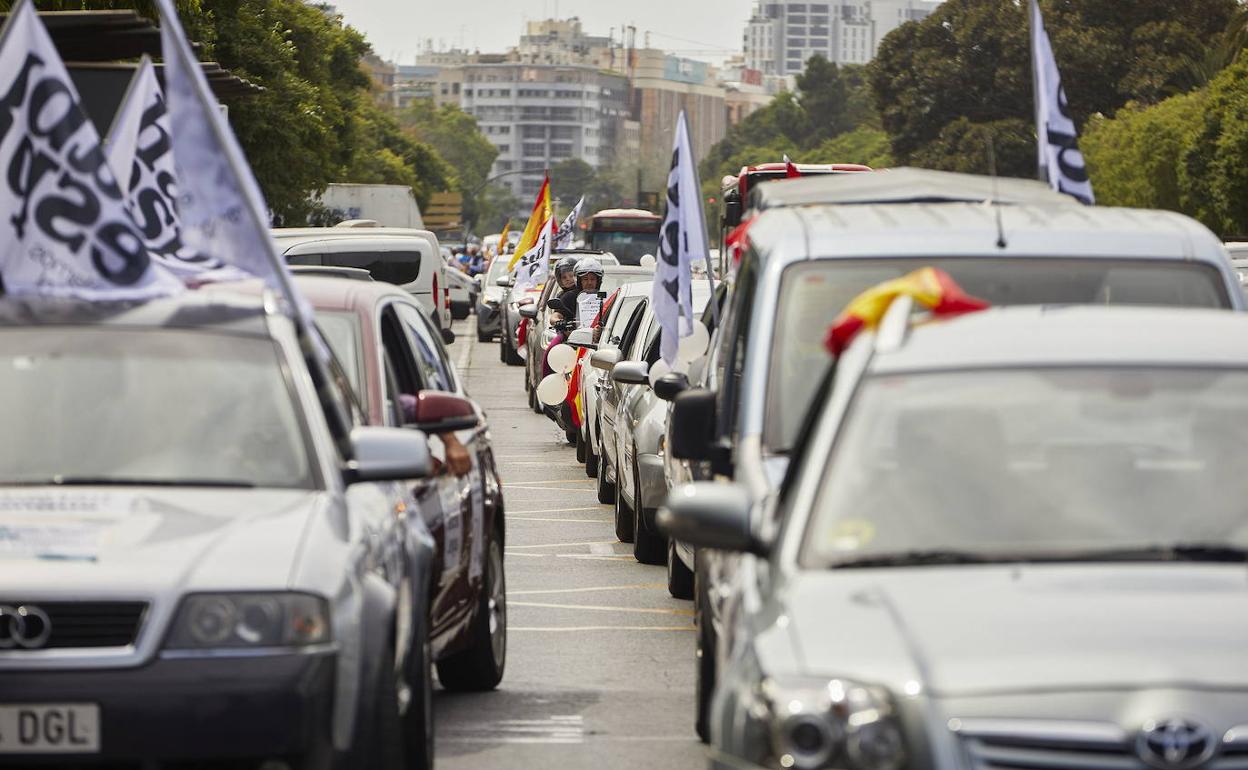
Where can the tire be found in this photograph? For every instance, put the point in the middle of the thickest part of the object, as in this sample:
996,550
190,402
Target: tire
591,459
510,356
580,448
383,739
648,547
679,577
480,666
573,437
625,519
483,337
418,729
704,685
606,490
502,350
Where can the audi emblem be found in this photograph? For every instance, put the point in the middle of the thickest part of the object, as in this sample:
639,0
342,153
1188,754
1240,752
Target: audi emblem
24,626
1176,744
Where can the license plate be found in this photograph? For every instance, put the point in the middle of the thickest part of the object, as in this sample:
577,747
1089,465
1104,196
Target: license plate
50,728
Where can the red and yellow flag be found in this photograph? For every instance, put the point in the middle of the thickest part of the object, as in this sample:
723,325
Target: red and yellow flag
928,286
532,231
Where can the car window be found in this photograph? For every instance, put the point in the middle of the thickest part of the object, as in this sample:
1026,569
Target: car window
407,372
396,267
435,369
813,293
342,330
149,407
731,359
641,336
627,308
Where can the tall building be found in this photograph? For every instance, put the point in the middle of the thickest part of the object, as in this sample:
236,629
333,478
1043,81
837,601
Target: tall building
663,85
782,35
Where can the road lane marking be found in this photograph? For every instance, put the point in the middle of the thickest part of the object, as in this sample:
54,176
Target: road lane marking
591,557
569,521
557,730
530,555
464,358
556,510
631,587
560,545
514,488
581,480
557,629
601,608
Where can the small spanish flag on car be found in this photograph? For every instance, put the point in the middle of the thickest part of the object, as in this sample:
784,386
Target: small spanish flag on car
931,287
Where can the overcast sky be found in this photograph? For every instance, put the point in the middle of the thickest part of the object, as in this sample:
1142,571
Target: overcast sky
701,29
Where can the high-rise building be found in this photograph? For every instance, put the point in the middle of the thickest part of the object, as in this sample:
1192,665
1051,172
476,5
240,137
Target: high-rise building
782,35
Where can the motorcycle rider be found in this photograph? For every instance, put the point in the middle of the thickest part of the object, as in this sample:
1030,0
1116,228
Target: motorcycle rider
589,274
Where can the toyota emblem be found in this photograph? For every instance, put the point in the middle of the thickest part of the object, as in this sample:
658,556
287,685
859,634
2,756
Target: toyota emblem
25,626
1176,744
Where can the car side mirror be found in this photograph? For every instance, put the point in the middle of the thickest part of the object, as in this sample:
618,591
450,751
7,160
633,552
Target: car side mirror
709,514
387,454
504,281
554,304
582,338
671,385
439,412
631,373
693,421
605,359
528,311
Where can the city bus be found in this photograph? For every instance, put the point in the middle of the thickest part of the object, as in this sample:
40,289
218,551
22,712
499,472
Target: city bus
627,233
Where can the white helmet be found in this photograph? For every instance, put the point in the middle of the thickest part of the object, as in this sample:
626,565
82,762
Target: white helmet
589,265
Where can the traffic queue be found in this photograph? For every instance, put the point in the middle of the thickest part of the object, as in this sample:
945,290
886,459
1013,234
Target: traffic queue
936,457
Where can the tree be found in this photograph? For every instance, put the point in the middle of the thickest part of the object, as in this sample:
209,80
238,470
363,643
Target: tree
1213,171
824,99
455,136
570,179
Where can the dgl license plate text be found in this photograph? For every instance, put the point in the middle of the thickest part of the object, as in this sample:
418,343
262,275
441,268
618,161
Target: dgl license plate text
50,728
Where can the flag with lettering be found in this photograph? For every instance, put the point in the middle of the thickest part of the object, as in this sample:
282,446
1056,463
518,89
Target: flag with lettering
64,226
1061,162
533,269
681,241
140,151
567,231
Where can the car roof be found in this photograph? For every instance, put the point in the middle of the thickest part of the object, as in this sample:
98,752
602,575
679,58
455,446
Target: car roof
221,309
338,244
971,230
627,270
904,185
1072,335
329,293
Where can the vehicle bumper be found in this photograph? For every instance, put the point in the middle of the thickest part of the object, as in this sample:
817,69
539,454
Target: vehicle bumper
242,709
653,487
489,318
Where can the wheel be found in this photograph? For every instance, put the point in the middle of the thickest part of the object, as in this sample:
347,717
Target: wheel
482,336
572,436
418,719
502,348
606,490
580,447
383,741
591,460
679,577
705,653
648,547
510,356
625,521
480,667
534,404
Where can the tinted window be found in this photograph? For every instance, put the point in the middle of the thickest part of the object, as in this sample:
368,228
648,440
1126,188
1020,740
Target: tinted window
812,294
155,407
435,370
342,331
396,267
627,247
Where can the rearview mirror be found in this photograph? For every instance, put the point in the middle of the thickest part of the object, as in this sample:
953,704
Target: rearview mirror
671,385
693,421
582,338
387,454
528,311
554,304
439,412
631,373
709,514
605,359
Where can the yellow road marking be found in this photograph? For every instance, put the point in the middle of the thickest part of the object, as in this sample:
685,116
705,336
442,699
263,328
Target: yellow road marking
560,545
601,628
632,587
600,608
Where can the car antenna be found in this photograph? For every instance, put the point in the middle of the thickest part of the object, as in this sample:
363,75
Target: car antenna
996,191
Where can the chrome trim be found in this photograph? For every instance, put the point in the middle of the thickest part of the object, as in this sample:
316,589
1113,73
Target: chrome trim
250,652
1236,736
1041,730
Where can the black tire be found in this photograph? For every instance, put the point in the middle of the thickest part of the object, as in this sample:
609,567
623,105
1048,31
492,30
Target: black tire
625,520
502,350
606,490
383,739
679,577
704,685
572,436
461,312
510,356
483,337
581,452
591,461
480,666
418,729
648,547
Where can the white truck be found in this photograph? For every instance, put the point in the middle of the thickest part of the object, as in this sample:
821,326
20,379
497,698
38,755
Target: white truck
389,205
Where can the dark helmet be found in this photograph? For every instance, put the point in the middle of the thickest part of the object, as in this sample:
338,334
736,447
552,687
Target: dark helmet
565,265
589,265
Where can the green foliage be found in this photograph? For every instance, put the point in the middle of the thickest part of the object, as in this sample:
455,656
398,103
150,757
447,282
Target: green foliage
454,135
497,204
1214,166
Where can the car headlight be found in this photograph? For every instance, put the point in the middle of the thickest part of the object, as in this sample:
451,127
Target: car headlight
213,621
817,724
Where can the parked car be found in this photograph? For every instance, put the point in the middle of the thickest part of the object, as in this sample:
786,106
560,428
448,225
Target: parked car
1238,251
490,300
207,557
463,290
972,577
804,264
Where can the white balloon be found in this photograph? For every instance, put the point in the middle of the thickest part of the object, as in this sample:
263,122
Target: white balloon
693,347
553,390
561,358
659,369
647,260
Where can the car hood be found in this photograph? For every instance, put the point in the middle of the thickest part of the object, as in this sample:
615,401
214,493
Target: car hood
143,541
983,629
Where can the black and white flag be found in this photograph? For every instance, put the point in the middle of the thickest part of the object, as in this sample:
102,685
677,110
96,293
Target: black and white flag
64,226
141,153
1061,162
533,268
681,241
567,230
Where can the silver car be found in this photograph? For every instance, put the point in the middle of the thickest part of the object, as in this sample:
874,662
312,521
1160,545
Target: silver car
201,559
1015,539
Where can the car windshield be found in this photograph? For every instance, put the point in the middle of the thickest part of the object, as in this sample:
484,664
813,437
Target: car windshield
627,247
158,407
1035,462
498,268
342,331
812,294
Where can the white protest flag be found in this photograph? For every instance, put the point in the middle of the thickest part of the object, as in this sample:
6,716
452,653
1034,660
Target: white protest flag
567,230
681,241
222,210
533,269
141,154
64,227
1061,162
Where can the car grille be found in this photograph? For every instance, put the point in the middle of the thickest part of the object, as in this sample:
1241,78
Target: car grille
1019,744
90,624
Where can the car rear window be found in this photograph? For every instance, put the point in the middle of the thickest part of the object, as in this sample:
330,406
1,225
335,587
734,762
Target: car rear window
396,267
813,293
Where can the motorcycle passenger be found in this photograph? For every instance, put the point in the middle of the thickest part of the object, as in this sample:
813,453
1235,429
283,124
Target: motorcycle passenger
589,275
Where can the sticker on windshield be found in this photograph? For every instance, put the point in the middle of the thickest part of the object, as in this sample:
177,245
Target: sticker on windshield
851,534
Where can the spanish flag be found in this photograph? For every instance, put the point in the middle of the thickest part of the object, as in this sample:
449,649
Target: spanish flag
931,287
541,215
502,239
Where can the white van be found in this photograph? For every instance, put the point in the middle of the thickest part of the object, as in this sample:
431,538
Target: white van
410,259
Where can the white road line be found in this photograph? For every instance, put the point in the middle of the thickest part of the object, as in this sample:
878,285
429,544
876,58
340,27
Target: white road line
556,510
600,608
631,587
591,557
515,488
465,356
577,629
568,521
559,545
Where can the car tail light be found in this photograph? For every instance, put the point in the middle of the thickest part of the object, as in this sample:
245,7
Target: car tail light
435,291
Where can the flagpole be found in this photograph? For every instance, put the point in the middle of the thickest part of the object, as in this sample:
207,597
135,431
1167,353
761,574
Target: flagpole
1032,15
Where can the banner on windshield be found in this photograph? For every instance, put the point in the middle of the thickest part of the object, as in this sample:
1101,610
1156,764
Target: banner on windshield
64,226
1061,162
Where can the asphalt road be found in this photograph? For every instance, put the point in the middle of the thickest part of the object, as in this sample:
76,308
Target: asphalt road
600,667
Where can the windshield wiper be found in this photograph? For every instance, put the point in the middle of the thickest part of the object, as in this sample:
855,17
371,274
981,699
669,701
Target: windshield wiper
1215,552
917,558
121,481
